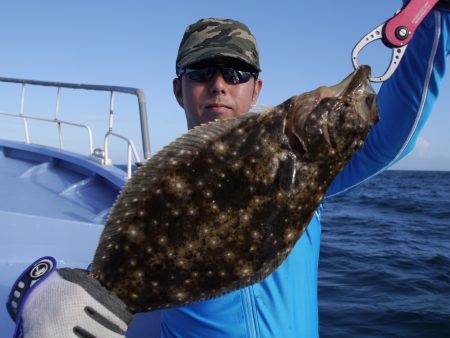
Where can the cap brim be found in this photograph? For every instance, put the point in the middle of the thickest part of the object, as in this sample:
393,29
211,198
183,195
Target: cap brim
215,53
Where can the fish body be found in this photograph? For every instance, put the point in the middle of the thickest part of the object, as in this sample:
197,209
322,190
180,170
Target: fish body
222,206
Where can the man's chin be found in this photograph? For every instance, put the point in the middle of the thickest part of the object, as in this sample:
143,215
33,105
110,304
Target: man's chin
217,115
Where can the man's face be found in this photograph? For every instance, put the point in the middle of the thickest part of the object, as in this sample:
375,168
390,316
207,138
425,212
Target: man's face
214,99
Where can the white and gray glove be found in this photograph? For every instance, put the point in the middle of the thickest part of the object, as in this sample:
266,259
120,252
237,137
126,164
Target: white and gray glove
58,303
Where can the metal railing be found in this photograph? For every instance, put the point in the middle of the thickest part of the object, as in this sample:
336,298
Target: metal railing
101,156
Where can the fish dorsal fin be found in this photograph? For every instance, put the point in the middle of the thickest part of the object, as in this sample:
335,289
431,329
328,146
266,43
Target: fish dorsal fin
196,139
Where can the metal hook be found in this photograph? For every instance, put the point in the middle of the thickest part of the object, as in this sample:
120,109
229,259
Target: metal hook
397,53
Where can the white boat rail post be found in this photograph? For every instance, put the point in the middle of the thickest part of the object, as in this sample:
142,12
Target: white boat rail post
61,122
131,149
22,115
110,128
144,123
58,96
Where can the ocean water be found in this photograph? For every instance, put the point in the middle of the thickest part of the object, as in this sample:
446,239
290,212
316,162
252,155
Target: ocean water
384,267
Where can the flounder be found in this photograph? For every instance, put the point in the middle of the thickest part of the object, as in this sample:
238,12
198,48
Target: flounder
222,206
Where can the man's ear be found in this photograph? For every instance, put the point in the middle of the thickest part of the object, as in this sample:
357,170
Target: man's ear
256,90
178,91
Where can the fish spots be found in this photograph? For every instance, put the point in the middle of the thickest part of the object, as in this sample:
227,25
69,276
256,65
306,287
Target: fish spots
245,217
236,165
256,203
224,216
207,193
318,198
206,136
220,148
290,235
181,295
255,234
229,255
181,263
244,271
178,186
214,242
134,233
162,240
214,207
192,211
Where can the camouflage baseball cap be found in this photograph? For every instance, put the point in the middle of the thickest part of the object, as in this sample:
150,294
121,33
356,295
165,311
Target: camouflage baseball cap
211,38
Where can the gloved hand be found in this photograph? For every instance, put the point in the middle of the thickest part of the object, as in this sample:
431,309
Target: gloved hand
56,303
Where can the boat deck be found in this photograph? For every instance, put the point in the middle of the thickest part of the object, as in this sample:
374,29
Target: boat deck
54,202
33,181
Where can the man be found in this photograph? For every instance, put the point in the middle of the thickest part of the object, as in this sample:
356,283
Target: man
285,303
217,77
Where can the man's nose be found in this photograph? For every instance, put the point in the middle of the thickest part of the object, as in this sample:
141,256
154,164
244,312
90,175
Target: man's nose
218,84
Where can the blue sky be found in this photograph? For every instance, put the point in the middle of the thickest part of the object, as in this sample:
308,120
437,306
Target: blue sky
303,44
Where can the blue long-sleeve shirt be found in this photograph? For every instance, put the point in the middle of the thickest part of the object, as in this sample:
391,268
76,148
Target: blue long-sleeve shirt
285,304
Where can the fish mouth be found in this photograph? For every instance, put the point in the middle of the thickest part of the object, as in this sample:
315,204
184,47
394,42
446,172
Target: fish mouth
357,83
357,86
366,97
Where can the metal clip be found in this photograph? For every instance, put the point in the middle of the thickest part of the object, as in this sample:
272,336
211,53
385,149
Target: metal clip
397,53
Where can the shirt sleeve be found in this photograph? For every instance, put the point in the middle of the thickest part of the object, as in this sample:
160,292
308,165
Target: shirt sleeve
404,104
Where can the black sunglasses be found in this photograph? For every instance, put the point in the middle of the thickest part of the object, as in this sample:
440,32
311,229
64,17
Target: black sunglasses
231,75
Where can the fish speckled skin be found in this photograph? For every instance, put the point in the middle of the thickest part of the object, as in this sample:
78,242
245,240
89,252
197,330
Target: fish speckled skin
222,206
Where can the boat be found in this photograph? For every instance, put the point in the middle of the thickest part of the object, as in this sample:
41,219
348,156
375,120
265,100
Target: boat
55,201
